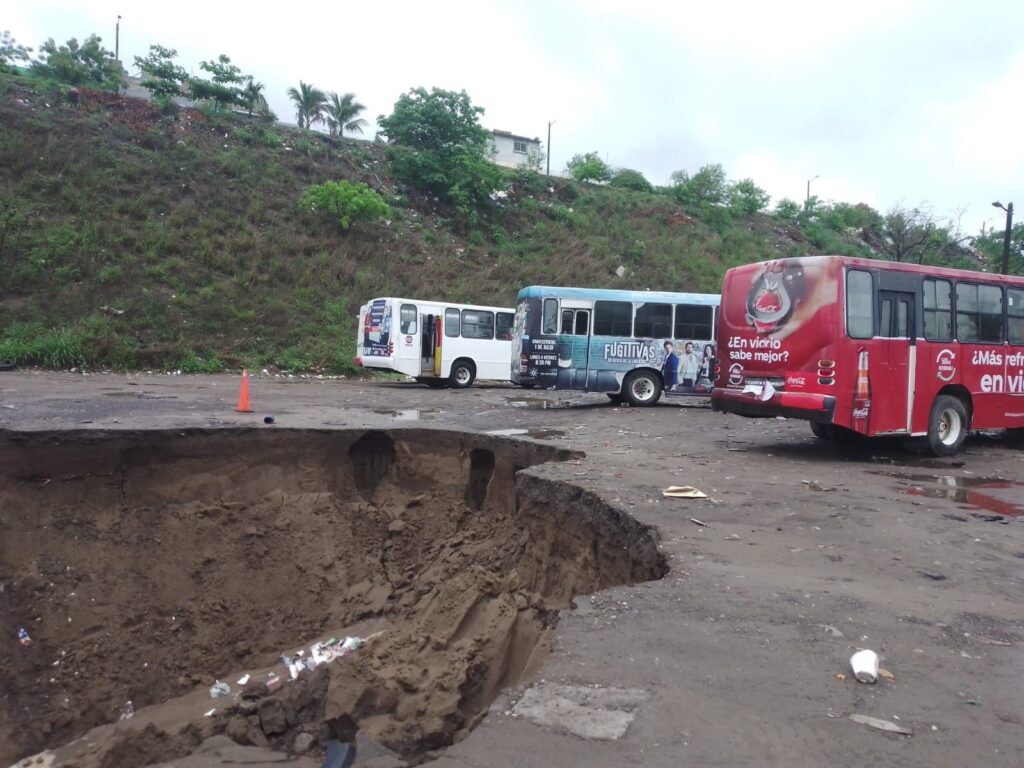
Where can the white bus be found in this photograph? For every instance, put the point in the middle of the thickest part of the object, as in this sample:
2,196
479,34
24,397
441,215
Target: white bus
437,343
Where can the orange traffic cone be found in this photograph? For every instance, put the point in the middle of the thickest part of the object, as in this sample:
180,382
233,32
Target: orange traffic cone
243,395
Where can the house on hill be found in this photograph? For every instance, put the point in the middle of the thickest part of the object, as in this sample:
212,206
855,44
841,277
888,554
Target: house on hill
513,151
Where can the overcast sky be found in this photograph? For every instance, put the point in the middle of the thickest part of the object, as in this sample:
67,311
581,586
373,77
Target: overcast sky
886,101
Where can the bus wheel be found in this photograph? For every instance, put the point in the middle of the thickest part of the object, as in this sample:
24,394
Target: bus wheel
528,384
823,431
462,375
947,426
641,388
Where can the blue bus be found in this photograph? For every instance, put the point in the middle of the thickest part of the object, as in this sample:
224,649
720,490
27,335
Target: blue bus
631,345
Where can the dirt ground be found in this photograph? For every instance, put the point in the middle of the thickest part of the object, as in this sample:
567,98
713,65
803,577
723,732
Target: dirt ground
804,552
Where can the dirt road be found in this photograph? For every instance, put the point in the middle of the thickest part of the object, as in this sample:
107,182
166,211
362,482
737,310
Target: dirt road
804,553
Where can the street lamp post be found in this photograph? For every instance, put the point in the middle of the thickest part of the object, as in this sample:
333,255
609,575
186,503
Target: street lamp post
807,201
117,40
1006,235
550,123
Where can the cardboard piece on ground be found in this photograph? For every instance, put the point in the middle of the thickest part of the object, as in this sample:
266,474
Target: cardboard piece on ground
881,725
683,492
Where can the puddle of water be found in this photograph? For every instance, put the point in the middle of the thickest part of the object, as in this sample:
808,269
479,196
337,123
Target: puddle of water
541,433
996,495
406,414
532,403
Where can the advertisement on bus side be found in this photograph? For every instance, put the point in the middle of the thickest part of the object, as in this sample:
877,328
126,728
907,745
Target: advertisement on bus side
377,329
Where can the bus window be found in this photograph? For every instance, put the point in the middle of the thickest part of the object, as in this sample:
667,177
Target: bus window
1015,315
550,322
503,325
979,312
938,310
860,304
693,322
568,316
582,322
477,324
653,321
408,319
613,318
451,323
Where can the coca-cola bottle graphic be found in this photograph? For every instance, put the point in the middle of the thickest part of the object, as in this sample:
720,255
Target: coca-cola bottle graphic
862,396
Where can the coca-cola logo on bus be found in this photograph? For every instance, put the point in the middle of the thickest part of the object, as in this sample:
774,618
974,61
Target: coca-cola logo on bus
796,381
773,294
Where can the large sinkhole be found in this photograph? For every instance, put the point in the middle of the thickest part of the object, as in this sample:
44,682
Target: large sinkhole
145,565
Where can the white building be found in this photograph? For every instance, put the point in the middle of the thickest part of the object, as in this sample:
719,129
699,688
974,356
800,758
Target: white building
512,151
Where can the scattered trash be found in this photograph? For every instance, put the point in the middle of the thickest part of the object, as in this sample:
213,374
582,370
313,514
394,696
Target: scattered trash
210,713
268,419
23,637
701,523
219,689
128,712
683,492
339,755
886,674
865,666
322,653
933,575
840,677
881,725
814,485
243,679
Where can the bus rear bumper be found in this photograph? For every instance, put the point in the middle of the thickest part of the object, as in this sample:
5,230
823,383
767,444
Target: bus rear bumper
793,405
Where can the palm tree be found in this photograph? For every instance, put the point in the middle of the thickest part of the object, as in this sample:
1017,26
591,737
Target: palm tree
252,96
343,114
309,104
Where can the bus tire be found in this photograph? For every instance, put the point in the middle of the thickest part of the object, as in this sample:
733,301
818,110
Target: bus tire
463,374
822,431
528,384
642,388
948,425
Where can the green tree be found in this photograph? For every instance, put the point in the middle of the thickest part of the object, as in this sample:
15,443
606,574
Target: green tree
787,209
88,63
589,167
446,149
253,98
746,197
163,77
11,52
309,104
627,178
344,202
343,114
225,86
990,244
707,186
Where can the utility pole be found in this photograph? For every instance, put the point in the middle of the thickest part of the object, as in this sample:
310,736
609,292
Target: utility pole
117,40
1006,235
807,201
550,123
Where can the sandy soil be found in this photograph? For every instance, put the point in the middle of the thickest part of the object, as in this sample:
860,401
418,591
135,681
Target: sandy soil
804,553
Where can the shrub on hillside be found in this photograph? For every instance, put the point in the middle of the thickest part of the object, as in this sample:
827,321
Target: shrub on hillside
746,197
589,167
627,178
344,202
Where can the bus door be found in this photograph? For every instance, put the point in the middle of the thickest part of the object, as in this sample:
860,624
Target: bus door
892,375
427,343
574,344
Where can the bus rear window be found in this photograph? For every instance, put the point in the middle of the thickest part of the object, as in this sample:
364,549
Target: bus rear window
408,319
550,322
979,312
451,323
860,305
477,324
613,318
653,321
503,325
693,322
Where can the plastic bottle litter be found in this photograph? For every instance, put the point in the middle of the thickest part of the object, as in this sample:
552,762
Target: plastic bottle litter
23,637
243,679
865,666
219,689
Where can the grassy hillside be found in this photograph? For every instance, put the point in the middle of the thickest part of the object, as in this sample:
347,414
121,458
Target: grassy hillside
130,239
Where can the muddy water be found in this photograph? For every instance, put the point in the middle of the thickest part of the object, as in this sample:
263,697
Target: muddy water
146,565
996,495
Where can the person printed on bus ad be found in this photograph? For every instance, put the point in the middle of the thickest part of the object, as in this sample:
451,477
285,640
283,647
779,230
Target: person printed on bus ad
689,366
706,378
670,368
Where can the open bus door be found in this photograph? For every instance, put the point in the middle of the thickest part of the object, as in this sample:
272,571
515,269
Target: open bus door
574,346
893,373
427,323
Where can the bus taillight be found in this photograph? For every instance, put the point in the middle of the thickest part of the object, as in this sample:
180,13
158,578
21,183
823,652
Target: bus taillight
391,348
524,362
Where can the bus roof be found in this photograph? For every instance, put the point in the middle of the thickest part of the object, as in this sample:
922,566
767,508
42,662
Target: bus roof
898,266
615,294
442,304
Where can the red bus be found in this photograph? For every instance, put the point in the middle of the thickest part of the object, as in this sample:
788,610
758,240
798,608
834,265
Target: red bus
873,347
